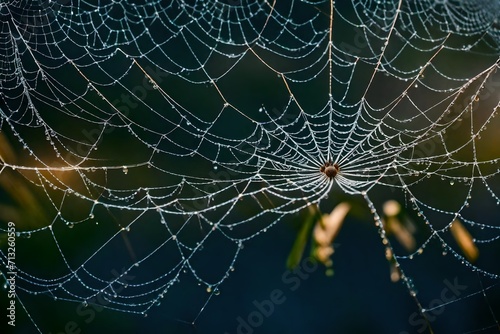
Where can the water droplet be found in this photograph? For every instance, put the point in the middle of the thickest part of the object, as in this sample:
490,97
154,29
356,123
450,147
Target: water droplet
452,182
125,170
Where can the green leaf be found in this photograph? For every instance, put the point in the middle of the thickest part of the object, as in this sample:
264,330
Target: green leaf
301,241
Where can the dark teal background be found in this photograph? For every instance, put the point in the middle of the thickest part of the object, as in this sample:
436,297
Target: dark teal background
359,298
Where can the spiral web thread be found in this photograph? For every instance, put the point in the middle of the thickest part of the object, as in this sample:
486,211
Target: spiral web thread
157,117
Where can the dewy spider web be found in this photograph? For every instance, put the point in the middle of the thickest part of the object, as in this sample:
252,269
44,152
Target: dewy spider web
159,133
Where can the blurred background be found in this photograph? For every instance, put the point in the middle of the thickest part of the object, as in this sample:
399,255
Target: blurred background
356,292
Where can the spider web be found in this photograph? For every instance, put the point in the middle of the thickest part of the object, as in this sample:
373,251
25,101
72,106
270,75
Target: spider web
162,136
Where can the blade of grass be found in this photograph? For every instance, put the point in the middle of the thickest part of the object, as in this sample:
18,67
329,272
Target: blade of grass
304,234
